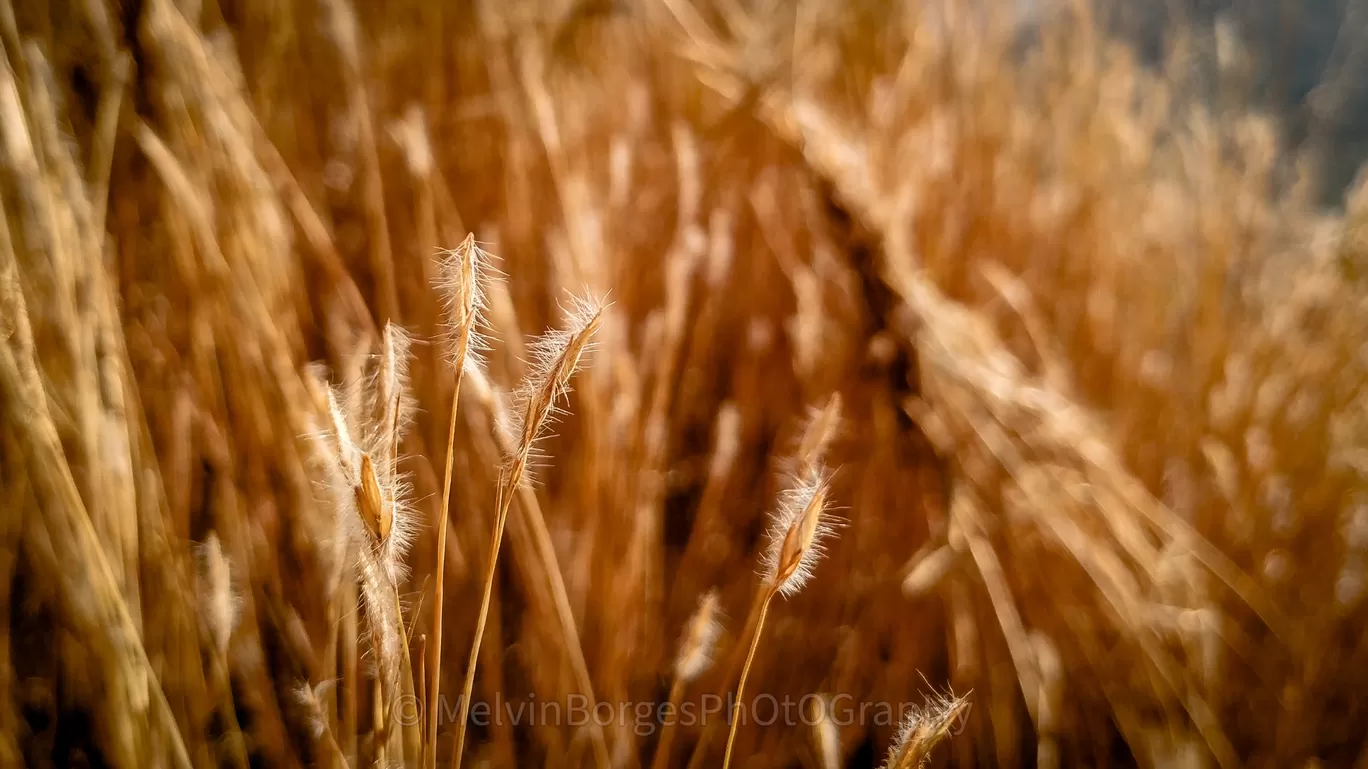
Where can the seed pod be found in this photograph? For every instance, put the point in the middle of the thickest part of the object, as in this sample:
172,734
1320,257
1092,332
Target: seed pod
371,503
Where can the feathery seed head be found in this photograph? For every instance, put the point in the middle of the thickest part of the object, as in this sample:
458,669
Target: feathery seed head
365,485
556,356
922,729
462,275
700,636
347,453
394,380
799,528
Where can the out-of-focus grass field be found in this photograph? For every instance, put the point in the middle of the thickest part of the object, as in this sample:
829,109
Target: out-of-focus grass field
1100,349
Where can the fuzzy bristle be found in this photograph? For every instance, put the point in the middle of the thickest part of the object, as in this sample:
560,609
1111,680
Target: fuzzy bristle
383,622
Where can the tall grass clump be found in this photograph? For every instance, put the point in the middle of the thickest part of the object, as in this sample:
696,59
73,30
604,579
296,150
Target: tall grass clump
1086,346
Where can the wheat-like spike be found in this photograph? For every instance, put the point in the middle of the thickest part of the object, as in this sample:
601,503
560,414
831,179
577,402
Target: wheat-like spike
393,389
922,728
219,596
700,636
398,523
398,519
340,460
346,453
372,506
365,484
336,460
799,528
222,605
374,518
463,274
461,277
557,356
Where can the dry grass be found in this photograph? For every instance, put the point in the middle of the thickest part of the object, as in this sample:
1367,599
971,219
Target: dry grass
1100,359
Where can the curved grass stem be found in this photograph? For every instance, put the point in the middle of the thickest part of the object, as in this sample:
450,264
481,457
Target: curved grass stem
745,671
438,589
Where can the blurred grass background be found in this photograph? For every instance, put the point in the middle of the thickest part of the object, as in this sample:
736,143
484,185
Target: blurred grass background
1100,341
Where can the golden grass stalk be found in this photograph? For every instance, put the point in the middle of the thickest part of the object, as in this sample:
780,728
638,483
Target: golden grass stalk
695,656
798,530
461,276
556,357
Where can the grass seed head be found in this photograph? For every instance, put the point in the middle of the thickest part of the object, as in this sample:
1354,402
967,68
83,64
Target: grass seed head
923,728
463,275
556,356
394,386
799,528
